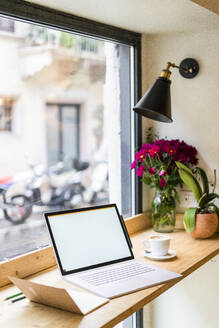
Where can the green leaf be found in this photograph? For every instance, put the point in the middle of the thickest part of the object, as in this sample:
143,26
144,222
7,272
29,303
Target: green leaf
212,196
184,167
204,179
189,219
203,202
216,209
191,182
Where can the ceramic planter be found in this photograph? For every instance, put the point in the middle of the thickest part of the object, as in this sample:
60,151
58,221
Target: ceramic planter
205,226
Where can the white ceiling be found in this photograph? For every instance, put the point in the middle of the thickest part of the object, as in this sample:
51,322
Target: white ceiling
148,16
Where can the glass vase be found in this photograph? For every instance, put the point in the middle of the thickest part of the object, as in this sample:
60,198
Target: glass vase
163,212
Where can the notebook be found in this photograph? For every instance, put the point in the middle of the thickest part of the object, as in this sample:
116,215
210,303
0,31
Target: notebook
93,251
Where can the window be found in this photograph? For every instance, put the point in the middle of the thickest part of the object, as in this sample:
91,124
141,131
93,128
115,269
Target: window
71,134
6,25
71,78
6,110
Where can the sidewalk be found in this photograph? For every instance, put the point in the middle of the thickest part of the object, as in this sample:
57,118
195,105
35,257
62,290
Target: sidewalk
19,239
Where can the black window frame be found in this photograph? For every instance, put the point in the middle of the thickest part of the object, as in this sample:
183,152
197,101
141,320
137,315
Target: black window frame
51,18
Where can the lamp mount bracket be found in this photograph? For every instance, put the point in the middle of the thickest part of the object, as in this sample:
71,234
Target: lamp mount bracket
188,68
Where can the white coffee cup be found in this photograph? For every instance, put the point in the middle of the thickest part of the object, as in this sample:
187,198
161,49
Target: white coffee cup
156,244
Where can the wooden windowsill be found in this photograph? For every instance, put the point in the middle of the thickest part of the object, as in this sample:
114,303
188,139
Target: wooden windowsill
191,254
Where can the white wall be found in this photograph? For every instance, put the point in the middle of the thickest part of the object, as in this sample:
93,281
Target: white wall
195,102
53,82
194,302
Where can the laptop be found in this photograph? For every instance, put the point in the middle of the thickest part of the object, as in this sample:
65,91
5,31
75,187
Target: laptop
93,251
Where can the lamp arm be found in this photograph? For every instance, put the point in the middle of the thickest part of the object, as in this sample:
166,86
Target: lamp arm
187,68
175,66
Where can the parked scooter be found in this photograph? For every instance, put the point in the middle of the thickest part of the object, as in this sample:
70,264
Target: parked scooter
65,188
16,209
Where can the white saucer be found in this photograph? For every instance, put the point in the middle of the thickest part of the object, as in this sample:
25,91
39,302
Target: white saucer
171,254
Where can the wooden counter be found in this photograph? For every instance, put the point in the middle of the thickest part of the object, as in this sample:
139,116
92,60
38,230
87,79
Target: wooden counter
191,254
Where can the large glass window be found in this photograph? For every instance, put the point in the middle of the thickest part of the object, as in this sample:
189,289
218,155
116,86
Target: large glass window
65,99
6,25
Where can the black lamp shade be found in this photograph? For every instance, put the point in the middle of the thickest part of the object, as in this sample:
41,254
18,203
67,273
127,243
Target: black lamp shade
156,103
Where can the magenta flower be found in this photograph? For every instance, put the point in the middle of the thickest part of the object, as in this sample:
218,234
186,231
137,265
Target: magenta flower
140,170
162,183
182,158
172,147
140,155
162,173
157,159
154,151
133,165
146,148
151,170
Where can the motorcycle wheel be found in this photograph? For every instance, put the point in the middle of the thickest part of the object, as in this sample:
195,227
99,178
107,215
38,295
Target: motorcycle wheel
75,200
20,209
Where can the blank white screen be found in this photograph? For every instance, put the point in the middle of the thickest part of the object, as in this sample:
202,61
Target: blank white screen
88,238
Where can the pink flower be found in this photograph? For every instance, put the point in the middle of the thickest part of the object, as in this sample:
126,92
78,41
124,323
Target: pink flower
140,171
163,183
162,173
157,156
182,158
146,148
154,151
140,155
171,149
151,170
133,165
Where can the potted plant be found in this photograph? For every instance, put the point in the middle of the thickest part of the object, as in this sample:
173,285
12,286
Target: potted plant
155,166
200,221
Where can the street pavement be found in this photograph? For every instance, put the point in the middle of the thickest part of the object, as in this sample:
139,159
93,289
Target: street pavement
22,238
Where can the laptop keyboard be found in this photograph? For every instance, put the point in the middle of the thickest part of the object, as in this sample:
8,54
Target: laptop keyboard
115,274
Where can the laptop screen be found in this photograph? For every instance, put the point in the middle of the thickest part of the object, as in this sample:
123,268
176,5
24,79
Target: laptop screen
88,238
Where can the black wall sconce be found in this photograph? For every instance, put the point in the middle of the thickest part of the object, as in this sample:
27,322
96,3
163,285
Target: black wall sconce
156,103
